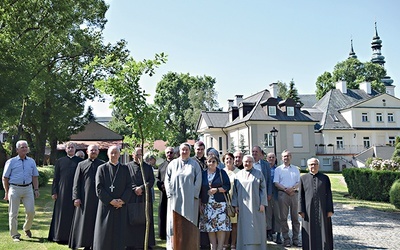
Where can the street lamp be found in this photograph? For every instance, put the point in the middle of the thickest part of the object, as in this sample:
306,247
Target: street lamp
274,133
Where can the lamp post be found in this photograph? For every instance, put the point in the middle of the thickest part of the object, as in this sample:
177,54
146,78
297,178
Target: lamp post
274,133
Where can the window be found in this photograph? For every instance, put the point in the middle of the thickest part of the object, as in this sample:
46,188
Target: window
390,117
297,140
366,142
339,143
392,140
379,117
272,110
326,161
290,111
220,143
364,117
268,140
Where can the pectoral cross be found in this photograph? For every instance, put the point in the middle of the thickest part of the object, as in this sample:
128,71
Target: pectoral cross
112,188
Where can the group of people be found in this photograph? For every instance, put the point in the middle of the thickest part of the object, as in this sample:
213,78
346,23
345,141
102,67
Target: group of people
263,194
96,201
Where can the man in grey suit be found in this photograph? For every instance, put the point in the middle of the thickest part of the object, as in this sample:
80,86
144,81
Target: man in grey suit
264,167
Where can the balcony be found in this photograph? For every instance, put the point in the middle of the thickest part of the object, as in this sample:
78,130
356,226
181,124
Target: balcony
334,150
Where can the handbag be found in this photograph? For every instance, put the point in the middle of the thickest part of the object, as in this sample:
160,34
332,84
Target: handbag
137,213
230,210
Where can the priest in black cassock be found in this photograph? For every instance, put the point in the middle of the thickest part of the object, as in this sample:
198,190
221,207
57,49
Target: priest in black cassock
85,200
63,211
316,208
136,233
162,207
114,189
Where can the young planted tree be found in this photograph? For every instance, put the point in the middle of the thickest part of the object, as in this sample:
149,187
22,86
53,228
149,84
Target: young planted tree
130,99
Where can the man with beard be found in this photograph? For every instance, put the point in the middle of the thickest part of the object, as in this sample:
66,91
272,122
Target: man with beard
63,212
136,233
162,207
114,189
85,200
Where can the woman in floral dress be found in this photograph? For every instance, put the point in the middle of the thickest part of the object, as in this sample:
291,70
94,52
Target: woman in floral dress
231,170
213,218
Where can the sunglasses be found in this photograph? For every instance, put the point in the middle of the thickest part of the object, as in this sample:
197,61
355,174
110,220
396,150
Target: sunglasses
212,161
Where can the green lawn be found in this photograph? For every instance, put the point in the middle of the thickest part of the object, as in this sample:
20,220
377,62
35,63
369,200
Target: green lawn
44,207
41,224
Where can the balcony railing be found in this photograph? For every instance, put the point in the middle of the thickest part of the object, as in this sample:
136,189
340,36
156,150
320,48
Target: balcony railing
334,149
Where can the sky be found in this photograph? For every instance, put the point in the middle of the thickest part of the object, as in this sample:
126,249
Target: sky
247,45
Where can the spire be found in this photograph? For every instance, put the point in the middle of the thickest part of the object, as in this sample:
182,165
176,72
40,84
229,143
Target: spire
378,58
376,46
352,54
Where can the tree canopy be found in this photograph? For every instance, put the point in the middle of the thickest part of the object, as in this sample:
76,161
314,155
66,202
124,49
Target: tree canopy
353,72
180,98
48,65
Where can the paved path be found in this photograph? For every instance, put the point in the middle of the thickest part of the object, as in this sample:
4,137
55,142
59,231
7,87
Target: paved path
360,228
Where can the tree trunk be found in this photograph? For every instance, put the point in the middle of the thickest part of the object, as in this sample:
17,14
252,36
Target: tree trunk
16,137
53,150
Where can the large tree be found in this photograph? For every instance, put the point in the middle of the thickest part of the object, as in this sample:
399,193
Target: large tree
180,98
55,46
353,72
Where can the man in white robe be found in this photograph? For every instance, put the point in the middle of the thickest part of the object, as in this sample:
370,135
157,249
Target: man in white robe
250,198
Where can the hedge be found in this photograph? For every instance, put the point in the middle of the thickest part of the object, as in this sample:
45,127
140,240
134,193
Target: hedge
367,184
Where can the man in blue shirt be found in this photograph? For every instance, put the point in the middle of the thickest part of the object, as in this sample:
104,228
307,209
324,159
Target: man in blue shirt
20,173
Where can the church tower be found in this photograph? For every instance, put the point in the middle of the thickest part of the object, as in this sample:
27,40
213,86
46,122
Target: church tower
352,54
378,58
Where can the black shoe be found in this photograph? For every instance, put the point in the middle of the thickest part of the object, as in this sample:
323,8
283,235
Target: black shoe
28,233
297,244
278,240
270,238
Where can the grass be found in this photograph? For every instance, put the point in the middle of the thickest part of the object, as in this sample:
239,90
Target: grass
44,208
41,224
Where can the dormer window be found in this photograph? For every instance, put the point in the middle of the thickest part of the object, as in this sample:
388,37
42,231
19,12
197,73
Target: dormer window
290,111
272,110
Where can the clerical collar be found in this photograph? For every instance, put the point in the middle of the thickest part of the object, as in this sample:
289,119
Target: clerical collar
91,159
70,156
114,164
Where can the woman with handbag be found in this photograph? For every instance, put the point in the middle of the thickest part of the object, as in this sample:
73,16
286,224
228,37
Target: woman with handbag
231,170
213,218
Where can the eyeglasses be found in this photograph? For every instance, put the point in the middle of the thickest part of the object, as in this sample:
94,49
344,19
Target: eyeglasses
211,161
170,152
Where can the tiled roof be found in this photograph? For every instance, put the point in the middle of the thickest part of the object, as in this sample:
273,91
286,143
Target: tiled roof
331,104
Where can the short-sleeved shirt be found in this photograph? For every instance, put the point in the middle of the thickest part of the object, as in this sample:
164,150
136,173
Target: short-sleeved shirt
20,171
287,176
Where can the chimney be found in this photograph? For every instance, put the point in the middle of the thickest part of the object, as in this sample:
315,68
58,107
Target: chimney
366,86
341,85
239,99
230,103
273,89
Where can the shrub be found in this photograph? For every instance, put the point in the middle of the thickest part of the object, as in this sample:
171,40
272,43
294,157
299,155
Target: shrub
45,173
367,184
395,194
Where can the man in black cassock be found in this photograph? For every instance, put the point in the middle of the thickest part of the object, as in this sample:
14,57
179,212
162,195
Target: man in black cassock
316,208
136,233
162,207
113,188
85,200
199,157
63,211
